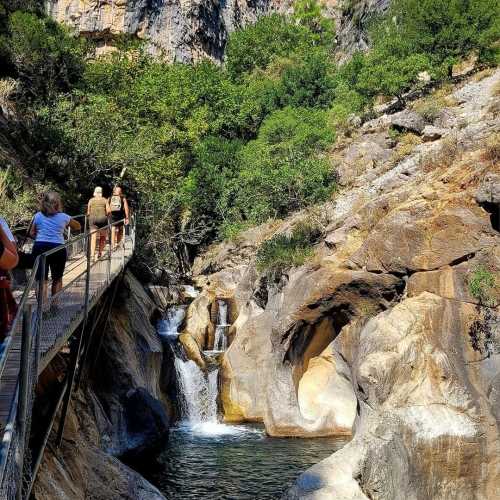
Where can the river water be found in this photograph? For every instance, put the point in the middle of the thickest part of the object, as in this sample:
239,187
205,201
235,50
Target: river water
207,459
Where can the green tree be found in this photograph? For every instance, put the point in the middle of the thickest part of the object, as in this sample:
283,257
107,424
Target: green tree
47,57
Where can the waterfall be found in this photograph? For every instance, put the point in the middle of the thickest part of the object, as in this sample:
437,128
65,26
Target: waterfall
169,325
220,342
197,389
198,393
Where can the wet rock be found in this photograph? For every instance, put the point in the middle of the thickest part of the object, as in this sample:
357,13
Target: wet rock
147,425
408,121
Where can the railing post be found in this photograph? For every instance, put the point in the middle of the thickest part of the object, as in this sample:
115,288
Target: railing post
41,292
110,238
76,353
23,394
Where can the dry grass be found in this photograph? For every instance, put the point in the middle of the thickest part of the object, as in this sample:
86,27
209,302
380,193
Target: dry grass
492,148
445,157
430,107
406,144
480,75
8,87
496,89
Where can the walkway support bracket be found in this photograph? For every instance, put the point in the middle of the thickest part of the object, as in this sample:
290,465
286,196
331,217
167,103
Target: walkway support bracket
76,351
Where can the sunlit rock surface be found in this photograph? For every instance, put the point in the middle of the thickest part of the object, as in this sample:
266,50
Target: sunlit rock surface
380,333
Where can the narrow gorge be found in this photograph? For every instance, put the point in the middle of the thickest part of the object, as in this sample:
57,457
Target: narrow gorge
311,309
375,347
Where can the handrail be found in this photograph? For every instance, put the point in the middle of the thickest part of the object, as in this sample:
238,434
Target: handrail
40,331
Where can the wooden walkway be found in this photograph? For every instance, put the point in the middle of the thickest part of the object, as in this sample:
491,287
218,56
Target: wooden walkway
63,314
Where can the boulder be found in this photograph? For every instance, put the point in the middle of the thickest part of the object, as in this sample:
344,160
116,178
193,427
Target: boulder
432,133
147,425
424,235
489,189
408,121
192,349
427,426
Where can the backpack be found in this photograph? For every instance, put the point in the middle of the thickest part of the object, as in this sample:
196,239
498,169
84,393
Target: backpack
116,203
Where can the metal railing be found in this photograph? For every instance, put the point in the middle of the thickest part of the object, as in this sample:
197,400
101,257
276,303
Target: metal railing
42,326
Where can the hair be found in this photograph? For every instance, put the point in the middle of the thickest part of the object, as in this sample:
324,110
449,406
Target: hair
51,203
98,192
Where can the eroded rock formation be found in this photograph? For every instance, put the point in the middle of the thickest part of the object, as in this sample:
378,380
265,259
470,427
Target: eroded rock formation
188,30
381,334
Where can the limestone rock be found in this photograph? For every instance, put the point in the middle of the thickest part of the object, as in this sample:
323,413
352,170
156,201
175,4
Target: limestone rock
408,121
198,322
424,236
121,412
192,349
489,189
419,417
432,133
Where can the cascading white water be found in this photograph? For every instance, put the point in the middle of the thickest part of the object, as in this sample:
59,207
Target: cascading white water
169,325
198,393
220,342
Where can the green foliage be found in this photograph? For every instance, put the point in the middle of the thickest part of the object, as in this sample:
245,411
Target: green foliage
47,58
283,251
269,38
214,149
282,169
482,285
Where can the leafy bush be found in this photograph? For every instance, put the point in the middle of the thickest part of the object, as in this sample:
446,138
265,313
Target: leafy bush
283,251
269,38
482,285
46,56
282,169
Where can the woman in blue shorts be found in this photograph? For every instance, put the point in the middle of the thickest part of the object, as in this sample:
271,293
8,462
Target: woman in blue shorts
48,229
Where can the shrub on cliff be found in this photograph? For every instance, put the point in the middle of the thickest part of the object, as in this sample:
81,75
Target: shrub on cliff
282,169
283,251
47,58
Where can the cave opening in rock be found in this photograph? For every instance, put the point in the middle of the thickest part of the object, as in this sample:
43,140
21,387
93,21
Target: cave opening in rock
494,210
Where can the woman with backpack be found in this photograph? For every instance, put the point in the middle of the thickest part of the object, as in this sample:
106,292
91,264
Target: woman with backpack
8,260
119,213
98,212
47,230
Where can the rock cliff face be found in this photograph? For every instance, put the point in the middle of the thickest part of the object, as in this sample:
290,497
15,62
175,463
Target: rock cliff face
187,30
118,415
380,335
180,30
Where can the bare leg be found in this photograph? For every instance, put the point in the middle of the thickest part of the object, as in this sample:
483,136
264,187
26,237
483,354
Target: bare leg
113,237
102,242
56,286
120,234
93,238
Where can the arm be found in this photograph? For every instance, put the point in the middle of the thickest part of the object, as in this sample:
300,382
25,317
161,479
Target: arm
74,225
108,208
9,257
88,208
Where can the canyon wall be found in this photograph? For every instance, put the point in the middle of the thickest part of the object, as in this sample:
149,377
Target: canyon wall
188,30
119,415
380,334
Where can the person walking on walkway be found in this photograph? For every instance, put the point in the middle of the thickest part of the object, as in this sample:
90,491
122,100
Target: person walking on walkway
119,213
47,230
8,260
98,212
